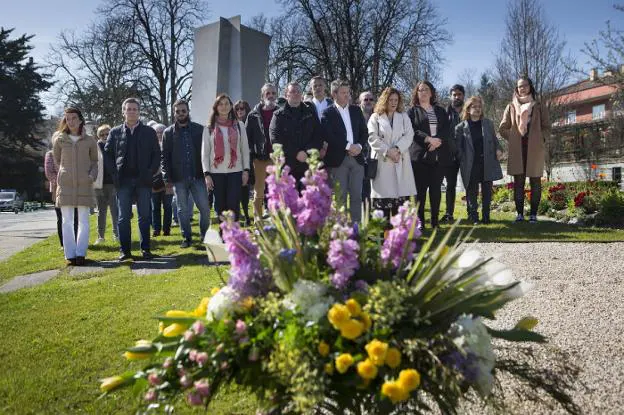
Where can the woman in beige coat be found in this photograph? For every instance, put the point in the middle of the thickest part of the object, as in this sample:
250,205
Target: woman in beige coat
76,156
526,127
390,135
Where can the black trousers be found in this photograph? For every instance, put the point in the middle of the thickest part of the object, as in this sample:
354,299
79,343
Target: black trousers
535,183
472,193
450,174
59,223
227,192
428,178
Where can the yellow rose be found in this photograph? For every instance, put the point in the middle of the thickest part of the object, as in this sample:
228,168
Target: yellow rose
337,315
377,352
394,391
409,379
174,330
215,290
108,384
393,357
351,329
329,369
201,309
178,313
354,307
366,320
323,348
366,369
344,362
137,355
247,303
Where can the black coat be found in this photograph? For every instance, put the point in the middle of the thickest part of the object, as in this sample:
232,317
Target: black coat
454,119
173,153
420,124
296,135
257,135
148,153
466,154
336,134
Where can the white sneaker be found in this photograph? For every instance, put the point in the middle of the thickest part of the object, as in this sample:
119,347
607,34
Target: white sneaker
99,241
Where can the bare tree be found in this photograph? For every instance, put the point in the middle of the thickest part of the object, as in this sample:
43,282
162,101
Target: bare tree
162,40
371,44
96,69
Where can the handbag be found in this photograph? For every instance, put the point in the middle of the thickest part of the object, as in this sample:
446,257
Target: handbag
370,169
158,184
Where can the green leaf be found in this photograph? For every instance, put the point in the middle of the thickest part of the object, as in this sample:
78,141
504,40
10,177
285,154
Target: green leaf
517,335
139,386
526,323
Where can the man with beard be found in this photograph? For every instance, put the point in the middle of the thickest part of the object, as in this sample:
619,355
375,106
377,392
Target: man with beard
448,161
182,166
257,126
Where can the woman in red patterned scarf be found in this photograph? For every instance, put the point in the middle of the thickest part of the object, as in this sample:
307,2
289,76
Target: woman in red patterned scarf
225,156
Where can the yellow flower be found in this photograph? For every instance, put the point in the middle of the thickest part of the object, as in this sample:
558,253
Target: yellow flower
178,313
201,309
409,379
215,290
247,303
351,329
145,343
323,348
367,369
174,330
337,315
354,307
344,362
137,355
161,326
394,391
393,357
377,351
108,384
329,368
366,320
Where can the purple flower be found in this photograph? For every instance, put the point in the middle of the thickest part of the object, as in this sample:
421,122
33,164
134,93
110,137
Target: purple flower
315,202
202,387
282,190
194,399
192,355
467,364
287,254
198,327
343,256
201,358
397,246
154,379
246,275
361,285
241,327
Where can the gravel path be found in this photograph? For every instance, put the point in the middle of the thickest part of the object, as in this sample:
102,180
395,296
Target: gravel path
578,297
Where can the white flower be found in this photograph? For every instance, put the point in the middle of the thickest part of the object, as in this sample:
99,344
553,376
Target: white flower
309,297
378,214
469,258
221,303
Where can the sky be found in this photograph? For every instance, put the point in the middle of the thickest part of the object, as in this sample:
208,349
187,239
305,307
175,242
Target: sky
477,26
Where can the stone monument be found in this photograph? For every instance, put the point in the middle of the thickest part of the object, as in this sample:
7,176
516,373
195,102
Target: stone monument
229,58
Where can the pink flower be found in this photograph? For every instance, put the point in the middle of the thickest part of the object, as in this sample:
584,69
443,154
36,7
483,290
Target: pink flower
343,256
241,327
189,335
194,399
193,355
202,358
186,381
198,327
154,379
151,395
224,365
168,363
202,387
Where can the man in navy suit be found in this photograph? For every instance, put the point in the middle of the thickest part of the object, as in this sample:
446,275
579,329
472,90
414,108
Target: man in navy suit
347,134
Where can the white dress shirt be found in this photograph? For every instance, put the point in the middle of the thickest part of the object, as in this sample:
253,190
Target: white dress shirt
320,106
346,119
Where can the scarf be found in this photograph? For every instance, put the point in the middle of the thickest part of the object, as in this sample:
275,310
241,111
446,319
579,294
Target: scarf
524,107
220,144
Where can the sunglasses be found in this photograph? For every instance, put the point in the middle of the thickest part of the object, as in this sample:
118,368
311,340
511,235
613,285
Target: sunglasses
368,99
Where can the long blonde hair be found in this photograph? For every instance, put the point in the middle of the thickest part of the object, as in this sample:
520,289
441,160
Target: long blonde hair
465,114
382,104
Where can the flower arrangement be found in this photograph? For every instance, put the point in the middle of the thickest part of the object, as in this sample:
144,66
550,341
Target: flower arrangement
323,315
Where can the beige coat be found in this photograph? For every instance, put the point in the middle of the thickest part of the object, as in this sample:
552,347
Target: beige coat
208,155
393,179
99,182
78,169
539,131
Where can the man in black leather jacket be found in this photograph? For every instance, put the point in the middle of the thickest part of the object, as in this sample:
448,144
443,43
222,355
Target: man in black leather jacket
182,166
133,155
449,162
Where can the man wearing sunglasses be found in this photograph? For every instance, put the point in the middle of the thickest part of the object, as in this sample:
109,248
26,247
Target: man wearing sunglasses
182,166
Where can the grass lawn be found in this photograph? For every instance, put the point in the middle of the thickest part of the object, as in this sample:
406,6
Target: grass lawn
61,337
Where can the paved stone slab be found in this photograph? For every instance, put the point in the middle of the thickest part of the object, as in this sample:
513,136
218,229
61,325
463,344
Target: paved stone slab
154,266
18,232
93,267
29,280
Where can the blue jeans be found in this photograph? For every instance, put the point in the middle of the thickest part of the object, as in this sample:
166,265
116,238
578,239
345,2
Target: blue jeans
161,202
197,188
128,188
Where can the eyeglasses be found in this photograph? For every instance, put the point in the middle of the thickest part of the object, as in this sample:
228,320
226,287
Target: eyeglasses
368,99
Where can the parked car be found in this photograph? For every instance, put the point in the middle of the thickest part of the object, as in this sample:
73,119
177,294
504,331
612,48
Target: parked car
10,200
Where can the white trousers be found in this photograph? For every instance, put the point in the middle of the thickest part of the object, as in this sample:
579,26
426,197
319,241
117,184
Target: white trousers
72,247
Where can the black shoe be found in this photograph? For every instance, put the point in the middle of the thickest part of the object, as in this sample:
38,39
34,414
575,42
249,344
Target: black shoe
166,233
125,256
447,219
80,261
70,261
519,218
533,219
156,233
148,255
185,244
486,221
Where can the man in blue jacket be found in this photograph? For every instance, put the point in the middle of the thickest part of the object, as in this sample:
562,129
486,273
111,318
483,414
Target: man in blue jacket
133,155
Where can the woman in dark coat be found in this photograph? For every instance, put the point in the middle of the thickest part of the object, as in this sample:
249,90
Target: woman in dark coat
431,140
478,152
242,110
